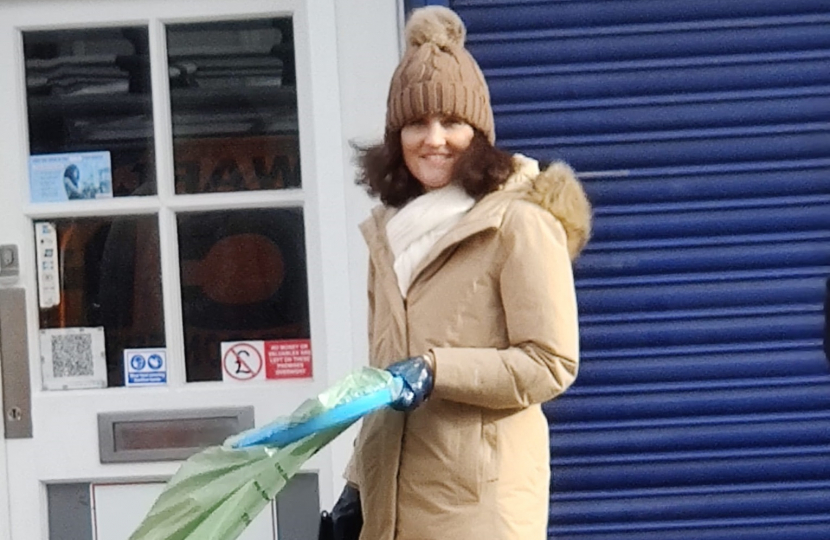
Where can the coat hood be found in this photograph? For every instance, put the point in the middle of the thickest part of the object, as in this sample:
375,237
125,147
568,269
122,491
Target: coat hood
557,190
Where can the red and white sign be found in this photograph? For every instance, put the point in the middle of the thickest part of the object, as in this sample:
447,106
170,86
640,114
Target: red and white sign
288,359
244,361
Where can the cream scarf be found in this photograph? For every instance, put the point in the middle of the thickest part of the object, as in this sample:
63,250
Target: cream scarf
415,228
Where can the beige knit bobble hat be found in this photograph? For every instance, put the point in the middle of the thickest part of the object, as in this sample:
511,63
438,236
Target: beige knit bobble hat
437,75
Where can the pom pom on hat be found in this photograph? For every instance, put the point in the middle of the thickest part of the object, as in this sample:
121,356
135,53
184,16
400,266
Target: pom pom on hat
435,24
437,75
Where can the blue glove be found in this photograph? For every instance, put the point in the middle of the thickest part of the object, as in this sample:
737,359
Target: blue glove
417,379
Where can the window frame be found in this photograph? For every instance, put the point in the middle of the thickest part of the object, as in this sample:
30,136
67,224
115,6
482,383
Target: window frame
319,133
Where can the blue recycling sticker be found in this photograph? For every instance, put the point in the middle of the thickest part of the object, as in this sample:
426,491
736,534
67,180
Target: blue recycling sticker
145,367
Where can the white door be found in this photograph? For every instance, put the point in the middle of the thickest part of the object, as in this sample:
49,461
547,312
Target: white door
173,178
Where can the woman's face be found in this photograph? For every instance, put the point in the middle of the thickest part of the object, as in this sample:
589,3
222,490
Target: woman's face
431,146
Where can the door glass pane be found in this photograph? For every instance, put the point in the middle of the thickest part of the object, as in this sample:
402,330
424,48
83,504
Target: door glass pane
234,104
89,91
243,277
108,276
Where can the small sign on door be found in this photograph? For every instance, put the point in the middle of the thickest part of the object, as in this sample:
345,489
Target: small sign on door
145,367
244,361
72,176
288,359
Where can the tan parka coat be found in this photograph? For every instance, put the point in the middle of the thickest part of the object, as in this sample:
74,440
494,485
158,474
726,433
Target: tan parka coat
494,302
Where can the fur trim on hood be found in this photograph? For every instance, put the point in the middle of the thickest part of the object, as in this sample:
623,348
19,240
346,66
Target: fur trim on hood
557,190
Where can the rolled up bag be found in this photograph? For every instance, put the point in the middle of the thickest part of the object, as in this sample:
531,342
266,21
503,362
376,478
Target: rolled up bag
217,492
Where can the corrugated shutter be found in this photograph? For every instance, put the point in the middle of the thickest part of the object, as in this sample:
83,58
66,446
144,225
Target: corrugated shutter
702,410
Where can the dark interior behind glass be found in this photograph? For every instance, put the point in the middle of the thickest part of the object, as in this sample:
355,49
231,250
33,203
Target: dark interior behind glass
233,98
243,276
110,277
89,90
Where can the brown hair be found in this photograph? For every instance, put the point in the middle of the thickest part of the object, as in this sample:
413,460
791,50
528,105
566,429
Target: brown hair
480,169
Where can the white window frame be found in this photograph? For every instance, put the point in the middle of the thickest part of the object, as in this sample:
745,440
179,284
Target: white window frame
318,111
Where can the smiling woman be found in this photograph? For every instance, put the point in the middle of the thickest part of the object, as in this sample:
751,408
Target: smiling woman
471,302
479,168
432,146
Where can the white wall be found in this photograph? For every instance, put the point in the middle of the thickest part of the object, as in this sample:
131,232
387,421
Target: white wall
368,52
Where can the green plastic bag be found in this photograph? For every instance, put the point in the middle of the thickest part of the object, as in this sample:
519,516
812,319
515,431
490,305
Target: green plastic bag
216,493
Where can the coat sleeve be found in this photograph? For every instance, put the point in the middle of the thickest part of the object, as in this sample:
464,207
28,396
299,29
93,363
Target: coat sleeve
539,301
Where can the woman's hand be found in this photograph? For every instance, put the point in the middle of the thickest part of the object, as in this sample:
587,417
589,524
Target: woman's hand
418,378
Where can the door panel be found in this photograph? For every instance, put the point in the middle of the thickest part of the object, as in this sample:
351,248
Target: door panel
207,229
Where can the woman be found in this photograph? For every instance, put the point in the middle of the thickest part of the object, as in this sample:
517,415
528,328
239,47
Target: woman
470,282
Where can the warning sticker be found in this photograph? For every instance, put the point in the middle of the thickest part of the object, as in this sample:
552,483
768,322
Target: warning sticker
244,361
288,359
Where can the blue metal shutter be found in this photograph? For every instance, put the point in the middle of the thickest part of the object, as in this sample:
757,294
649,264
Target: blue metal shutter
702,410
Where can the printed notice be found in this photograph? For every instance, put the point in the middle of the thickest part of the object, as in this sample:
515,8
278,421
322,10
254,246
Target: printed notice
145,367
288,359
66,177
244,361
48,276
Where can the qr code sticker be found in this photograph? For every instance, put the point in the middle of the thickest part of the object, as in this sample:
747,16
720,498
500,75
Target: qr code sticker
73,358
